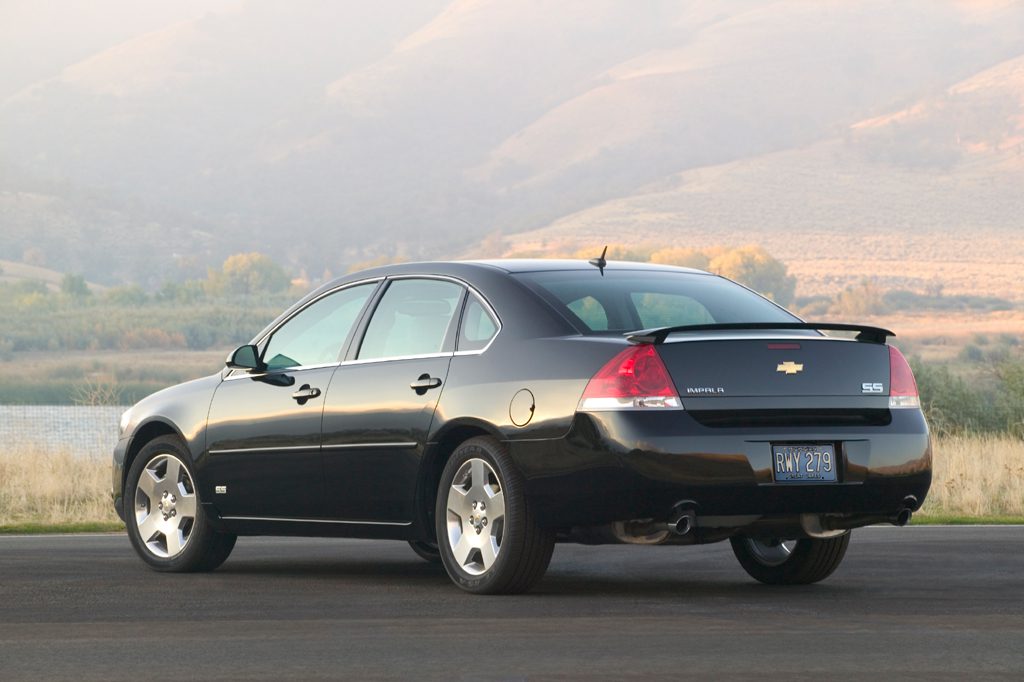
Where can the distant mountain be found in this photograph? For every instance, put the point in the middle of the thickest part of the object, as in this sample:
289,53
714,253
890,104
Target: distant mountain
40,38
326,133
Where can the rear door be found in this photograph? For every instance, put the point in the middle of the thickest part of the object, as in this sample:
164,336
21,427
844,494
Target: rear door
381,401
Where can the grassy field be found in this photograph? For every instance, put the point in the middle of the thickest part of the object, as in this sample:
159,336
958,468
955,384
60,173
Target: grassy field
977,476
54,489
978,479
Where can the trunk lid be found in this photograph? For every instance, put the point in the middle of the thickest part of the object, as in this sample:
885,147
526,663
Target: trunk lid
776,367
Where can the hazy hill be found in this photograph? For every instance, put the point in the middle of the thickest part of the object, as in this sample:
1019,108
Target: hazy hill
39,38
933,192
325,133
13,272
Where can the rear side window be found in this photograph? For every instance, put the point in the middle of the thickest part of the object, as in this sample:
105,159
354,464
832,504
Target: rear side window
478,327
412,318
629,300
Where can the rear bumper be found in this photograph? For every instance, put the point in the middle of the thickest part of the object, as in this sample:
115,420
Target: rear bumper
616,466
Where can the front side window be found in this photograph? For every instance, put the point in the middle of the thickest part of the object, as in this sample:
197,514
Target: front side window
412,318
315,335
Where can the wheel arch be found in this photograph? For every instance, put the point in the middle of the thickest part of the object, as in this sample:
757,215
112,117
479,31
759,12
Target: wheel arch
146,433
435,456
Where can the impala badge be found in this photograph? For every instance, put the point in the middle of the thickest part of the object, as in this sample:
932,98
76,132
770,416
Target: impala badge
789,367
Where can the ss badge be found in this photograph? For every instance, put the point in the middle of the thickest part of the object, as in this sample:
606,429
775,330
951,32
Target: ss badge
868,387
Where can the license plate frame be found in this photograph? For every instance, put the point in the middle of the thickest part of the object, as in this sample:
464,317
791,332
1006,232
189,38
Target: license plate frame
805,463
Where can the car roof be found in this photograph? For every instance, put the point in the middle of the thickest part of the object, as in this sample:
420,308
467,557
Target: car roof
499,265
512,265
481,268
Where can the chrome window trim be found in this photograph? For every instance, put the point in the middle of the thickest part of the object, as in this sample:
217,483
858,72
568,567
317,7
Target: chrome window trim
396,358
294,520
494,316
290,370
419,356
340,287
263,337
469,288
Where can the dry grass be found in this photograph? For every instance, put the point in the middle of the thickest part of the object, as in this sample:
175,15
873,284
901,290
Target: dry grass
54,488
974,476
977,476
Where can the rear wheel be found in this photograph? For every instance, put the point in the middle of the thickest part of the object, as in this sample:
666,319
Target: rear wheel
790,562
166,523
489,539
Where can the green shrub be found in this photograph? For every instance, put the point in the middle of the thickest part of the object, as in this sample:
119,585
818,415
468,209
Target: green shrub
989,400
863,299
950,404
1011,396
972,353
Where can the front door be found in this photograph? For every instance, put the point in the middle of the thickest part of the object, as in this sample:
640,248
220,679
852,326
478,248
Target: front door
264,429
381,403
264,445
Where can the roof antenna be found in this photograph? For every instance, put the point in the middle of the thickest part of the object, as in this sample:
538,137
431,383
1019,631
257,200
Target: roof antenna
600,263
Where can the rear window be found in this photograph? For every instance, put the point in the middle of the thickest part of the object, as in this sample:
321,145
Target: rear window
628,300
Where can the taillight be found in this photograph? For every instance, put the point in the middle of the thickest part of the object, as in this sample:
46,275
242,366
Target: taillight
634,379
902,386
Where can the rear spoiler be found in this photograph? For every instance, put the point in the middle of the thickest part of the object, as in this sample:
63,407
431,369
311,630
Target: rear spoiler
658,335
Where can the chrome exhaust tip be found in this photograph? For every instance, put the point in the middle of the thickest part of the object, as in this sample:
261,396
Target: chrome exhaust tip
683,525
683,519
902,517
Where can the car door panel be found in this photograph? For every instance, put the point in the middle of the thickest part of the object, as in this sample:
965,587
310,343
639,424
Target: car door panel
264,446
264,431
381,402
375,426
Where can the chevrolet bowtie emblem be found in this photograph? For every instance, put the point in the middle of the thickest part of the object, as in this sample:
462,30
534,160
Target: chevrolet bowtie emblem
789,367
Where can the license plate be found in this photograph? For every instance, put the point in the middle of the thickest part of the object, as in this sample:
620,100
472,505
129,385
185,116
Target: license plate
804,463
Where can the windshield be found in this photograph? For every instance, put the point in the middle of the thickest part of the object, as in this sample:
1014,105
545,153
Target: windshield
628,300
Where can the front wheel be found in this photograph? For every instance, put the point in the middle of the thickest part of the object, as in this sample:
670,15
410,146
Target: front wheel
790,562
166,523
489,539
427,551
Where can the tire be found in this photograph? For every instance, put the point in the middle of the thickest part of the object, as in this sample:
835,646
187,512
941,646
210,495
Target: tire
426,550
792,562
489,539
166,523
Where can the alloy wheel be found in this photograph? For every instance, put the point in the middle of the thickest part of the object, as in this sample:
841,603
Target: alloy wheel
165,506
476,516
773,552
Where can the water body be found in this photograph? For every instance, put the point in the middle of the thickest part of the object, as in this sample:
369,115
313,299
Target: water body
86,431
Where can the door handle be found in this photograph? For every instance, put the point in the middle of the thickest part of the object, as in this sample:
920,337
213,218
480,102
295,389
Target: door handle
424,383
305,393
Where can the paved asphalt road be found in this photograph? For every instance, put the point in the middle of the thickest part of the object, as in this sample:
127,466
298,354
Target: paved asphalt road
921,602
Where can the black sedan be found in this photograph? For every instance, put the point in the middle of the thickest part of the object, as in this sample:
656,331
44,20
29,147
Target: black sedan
483,411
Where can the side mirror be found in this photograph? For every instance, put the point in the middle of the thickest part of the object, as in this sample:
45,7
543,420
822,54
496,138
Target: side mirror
245,357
